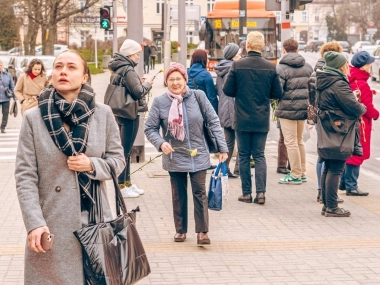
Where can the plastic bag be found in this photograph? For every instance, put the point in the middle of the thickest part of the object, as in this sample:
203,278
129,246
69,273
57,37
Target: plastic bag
218,190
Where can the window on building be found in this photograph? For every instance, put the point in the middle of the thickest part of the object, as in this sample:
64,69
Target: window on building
159,6
189,2
316,34
189,37
316,15
81,5
83,37
210,5
108,35
305,16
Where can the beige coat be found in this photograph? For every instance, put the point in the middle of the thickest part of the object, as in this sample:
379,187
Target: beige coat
27,90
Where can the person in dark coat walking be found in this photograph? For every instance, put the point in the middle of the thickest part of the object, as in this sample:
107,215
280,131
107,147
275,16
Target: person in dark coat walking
335,95
359,75
153,53
252,81
226,104
294,75
146,56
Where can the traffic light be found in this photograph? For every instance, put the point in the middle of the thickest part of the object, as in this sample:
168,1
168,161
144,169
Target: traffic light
303,2
298,4
105,18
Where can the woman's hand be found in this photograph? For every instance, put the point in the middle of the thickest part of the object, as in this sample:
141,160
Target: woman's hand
80,163
223,156
166,148
34,238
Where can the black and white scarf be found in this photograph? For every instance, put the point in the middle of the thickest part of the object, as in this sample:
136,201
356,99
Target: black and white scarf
55,111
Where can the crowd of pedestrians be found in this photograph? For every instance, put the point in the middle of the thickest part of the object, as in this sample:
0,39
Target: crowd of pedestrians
84,138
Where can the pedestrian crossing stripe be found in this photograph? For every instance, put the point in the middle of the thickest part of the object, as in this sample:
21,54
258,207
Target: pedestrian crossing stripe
8,144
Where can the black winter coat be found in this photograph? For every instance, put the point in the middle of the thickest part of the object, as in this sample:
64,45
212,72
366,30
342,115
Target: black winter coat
119,65
253,81
335,93
294,75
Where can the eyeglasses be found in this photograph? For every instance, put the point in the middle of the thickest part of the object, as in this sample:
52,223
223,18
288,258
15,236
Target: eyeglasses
178,79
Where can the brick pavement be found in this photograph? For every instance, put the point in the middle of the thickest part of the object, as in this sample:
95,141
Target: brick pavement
286,241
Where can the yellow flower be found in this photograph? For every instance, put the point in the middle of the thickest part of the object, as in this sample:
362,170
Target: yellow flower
161,70
193,152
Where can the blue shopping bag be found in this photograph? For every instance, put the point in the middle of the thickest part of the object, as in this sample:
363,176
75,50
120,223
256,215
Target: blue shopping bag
215,192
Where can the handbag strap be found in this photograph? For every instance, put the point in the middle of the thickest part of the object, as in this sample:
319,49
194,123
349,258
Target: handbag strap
195,84
120,203
200,106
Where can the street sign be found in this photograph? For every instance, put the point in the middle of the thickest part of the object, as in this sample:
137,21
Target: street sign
272,5
371,31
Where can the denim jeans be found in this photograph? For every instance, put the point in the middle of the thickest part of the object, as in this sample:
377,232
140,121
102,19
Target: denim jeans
350,176
252,143
330,180
230,136
128,131
178,182
5,111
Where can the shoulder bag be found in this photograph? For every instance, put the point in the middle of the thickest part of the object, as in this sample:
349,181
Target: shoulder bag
8,92
209,135
112,251
14,109
121,102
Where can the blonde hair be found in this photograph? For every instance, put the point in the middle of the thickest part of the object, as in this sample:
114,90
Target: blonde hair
255,41
331,46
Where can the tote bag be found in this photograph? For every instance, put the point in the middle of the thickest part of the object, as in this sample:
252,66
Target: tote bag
218,189
121,102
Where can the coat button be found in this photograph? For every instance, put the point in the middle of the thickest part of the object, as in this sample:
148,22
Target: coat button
58,189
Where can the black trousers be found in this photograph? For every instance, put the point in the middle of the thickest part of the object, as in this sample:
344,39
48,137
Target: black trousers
230,136
146,65
128,131
178,182
152,61
330,180
5,111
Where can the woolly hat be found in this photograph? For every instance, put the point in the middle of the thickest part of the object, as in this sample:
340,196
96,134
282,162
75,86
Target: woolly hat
176,67
230,51
130,47
362,58
334,59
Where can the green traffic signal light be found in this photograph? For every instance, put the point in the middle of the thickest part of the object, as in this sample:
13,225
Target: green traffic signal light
105,24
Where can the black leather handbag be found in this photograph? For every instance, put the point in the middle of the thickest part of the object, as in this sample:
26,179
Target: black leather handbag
121,102
113,253
209,135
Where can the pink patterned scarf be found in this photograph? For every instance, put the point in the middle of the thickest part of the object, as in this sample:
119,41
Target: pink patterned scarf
175,118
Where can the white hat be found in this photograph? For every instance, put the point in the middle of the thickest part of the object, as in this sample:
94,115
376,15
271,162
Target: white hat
130,47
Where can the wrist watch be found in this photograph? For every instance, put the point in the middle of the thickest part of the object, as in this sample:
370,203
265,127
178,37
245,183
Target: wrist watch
93,169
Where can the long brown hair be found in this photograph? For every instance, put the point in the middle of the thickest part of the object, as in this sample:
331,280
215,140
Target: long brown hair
33,62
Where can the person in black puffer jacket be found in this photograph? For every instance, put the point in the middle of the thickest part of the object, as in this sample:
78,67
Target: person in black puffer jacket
294,75
312,117
123,64
334,94
226,104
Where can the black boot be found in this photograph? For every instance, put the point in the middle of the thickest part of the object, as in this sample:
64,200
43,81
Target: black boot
323,212
337,212
319,196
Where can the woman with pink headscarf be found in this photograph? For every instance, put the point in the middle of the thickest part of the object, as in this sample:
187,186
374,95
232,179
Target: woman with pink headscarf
179,115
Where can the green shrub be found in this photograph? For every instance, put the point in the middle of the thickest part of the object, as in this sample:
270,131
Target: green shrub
94,70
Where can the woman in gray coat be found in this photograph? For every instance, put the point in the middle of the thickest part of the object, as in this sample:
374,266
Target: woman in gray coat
64,144
179,114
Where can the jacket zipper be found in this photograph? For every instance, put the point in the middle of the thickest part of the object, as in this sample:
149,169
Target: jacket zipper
188,133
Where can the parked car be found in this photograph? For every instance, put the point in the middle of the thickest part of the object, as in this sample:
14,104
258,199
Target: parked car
301,45
57,49
370,49
345,45
375,68
313,46
359,45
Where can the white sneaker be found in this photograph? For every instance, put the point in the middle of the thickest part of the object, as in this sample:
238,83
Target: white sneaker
128,192
137,190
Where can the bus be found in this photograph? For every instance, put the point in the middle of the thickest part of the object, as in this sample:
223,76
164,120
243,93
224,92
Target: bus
222,27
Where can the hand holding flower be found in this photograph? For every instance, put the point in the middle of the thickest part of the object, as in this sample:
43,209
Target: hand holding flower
166,148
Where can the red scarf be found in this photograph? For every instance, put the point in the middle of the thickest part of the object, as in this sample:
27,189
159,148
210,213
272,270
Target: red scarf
32,76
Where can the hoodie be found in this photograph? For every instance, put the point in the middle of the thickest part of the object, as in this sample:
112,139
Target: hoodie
226,107
123,66
200,78
294,74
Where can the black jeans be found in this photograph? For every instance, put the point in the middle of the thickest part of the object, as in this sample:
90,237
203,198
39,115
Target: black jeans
152,61
128,131
230,136
146,65
5,111
252,143
330,180
178,182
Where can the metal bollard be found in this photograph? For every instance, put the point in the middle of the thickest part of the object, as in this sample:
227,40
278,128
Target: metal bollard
138,149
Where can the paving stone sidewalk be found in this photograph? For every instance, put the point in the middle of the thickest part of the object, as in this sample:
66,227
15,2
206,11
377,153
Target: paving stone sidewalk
285,241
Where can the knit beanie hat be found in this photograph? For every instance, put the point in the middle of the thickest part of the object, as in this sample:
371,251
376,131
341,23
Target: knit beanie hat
176,67
230,51
130,47
334,59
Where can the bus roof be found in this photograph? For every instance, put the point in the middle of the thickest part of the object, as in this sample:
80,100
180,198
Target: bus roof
230,9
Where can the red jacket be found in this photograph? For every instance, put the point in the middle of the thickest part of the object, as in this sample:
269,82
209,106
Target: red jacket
358,80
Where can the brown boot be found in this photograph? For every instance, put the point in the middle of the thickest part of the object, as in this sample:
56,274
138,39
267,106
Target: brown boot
203,239
247,198
179,237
